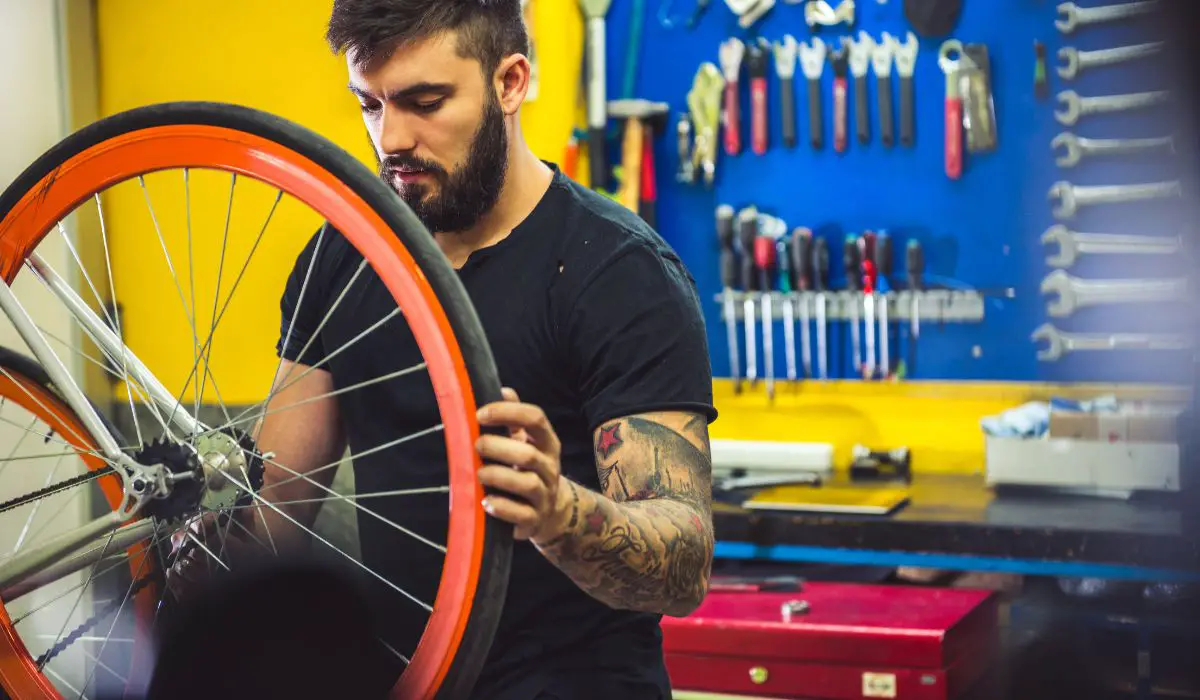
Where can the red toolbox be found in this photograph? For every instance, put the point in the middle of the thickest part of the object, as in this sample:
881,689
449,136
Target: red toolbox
834,641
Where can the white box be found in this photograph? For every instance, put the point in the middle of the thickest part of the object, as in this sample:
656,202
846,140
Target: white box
1117,469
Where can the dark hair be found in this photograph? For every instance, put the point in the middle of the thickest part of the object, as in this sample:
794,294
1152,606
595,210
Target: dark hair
488,30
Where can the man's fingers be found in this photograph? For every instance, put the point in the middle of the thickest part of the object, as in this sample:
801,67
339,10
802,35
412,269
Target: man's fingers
510,395
525,485
521,515
524,416
515,453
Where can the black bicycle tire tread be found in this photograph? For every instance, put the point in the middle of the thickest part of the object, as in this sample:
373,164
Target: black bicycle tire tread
482,372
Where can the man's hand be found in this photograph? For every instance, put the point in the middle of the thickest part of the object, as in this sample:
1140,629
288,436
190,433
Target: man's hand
524,467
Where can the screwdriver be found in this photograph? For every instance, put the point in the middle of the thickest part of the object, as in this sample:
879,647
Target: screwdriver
883,269
747,229
820,283
764,260
729,276
802,251
852,260
915,263
787,285
866,246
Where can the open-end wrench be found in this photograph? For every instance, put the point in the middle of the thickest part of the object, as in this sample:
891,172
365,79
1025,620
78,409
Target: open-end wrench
1071,293
825,14
1074,148
906,61
731,53
840,60
1059,343
1071,197
860,65
950,58
756,68
1072,16
881,60
1072,244
785,67
812,63
1074,60
1073,106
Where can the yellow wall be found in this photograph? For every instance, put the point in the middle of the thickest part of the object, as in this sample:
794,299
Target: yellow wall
268,54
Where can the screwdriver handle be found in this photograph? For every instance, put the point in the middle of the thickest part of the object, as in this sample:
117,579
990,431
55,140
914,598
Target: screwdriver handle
853,262
787,270
729,266
764,260
747,235
883,259
820,265
802,258
867,260
915,262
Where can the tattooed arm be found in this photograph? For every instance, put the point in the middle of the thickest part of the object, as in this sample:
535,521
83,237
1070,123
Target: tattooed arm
646,543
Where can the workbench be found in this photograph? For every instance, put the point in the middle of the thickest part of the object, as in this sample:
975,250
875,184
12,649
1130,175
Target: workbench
958,523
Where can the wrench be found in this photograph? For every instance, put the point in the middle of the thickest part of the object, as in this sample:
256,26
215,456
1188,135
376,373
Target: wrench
906,61
881,60
785,68
1074,106
860,63
812,63
1071,197
1072,293
1059,343
840,60
1072,16
732,52
1075,60
1075,148
1071,245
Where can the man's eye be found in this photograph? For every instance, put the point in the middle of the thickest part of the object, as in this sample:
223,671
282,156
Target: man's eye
369,107
430,105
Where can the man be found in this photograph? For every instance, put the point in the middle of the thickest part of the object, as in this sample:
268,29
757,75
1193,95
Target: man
596,328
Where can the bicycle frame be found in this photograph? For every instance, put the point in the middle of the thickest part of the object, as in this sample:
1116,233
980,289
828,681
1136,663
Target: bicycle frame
69,553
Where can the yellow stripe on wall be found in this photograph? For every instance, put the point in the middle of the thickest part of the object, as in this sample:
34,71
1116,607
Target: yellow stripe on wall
270,55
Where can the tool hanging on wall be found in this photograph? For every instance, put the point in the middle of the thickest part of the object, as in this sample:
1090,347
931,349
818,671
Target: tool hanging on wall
1071,16
765,262
1072,106
633,48
756,68
812,62
881,61
840,60
802,264
785,67
1073,60
979,109
642,120
866,256
915,268
729,280
906,62
820,282
787,302
860,64
1071,244
749,11
933,18
1058,344
747,231
1041,86
1069,294
704,106
595,12
853,263
731,54
820,13
1071,197
950,58
883,285
683,144
670,21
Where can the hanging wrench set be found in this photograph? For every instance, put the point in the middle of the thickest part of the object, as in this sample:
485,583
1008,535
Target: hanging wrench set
1065,293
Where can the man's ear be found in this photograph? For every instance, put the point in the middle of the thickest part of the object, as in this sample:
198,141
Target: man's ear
512,82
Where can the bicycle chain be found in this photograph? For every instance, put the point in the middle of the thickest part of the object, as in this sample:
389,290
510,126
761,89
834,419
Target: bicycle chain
55,488
85,626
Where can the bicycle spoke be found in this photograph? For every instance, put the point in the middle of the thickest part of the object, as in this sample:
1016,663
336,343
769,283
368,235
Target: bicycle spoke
354,497
95,567
64,594
27,433
62,680
37,506
48,437
49,521
187,198
217,295
400,656
86,277
101,664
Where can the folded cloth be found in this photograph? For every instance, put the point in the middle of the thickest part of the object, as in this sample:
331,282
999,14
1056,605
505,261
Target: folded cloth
1029,420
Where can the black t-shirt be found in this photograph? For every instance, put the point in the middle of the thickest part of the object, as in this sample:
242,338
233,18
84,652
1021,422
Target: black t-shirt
591,316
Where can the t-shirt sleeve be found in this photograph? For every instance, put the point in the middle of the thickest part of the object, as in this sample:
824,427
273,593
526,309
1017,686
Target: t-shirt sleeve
302,305
637,338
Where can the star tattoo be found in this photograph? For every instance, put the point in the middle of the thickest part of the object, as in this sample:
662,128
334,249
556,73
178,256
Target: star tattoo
610,439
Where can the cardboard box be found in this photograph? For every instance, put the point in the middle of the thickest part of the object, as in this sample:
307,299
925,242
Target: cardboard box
1117,469
1148,426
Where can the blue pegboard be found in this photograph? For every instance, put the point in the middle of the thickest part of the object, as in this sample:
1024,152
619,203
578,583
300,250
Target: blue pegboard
982,230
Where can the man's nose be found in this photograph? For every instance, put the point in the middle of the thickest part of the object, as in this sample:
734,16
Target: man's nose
396,134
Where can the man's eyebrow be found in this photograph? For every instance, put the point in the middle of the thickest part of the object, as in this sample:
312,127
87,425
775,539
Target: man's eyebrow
424,88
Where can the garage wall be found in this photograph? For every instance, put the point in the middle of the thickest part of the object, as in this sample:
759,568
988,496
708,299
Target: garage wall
267,54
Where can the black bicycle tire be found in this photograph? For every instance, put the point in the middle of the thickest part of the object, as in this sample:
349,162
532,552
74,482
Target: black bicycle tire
460,313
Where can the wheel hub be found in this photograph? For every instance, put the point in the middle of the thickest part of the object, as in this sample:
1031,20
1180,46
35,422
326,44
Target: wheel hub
211,476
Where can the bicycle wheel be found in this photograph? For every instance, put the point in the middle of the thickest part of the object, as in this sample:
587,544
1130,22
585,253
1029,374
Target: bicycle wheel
145,150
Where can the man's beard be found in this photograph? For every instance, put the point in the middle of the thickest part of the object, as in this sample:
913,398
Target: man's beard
466,195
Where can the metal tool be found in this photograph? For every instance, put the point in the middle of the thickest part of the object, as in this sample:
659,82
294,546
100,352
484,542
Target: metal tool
950,57
812,63
840,60
1073,60
1072,16
1071,293
1072,244
704,105
747,234
906,61
882,53
853,264
979,110
786,52
729,278
1059,343
683,144
670,21
749,11
764,260
1071,197
731,54
1041,86
1074,148
883,285
1072,106
802,266
756,68
822,13
787,285
866,252
860,65
595,12
915,267
820,284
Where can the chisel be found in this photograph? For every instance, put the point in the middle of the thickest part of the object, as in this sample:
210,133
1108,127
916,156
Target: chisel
764,260
820,283
802,263
729,277
747,230
853,264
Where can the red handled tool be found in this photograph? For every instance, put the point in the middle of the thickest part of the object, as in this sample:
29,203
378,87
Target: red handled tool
948,59
731,54
840,58
765,261
756,67
866,250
